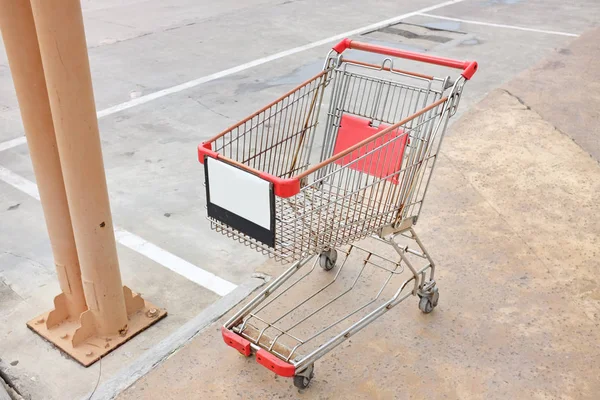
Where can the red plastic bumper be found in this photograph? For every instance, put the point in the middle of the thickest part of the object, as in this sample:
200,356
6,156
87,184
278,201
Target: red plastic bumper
263,357
236,341
274,364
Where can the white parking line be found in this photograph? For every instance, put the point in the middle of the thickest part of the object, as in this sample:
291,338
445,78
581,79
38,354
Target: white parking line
138,244
12,143
178,265
18,182
208,78
519,28
193,83
9,144
221,74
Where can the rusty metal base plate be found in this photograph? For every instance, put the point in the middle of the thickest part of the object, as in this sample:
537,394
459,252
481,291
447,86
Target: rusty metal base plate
95,347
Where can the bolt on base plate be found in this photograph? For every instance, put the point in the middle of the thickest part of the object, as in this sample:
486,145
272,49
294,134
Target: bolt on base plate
95,347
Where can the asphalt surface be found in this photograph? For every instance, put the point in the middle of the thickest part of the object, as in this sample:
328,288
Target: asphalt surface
138,48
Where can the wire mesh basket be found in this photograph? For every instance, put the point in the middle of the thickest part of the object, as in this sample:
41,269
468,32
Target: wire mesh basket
368,168
345,155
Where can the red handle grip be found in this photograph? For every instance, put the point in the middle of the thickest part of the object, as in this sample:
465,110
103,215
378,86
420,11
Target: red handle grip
468,67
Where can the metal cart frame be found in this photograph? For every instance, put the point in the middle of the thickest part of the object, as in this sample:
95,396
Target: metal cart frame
267,188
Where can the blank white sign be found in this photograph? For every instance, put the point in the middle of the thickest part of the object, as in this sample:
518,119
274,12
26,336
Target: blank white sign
239,192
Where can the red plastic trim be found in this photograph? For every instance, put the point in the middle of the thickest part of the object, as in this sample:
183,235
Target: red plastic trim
236,341
468,67
282,187
274,364
205,149
341,46
470,70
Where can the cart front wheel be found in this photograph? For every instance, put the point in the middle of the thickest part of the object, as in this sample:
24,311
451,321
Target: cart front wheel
302,380
428,302
327,259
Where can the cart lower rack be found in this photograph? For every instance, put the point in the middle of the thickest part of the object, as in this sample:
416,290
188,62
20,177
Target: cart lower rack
320,189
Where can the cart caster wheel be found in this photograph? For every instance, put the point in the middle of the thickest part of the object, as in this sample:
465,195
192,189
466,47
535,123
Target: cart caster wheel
327,259
302,380
425,305
428,302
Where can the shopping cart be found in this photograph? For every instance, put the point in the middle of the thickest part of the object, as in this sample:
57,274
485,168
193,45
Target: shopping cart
277,183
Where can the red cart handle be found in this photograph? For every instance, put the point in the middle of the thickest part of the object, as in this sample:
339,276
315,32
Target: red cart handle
468,67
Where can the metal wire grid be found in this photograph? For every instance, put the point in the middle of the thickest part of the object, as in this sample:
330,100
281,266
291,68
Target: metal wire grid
279,138
379,99
359,284
341,207
341,202
346,204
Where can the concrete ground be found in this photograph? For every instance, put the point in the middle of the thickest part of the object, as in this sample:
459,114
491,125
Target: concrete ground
565,91
512,220
140,47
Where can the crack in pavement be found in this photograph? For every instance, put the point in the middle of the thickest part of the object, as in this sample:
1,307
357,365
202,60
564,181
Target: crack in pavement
208,108
522,102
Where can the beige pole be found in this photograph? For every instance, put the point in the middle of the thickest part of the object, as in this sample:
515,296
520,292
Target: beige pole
61,37
21,43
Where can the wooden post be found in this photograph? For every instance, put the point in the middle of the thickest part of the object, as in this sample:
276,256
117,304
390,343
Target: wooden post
20,41
58,79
